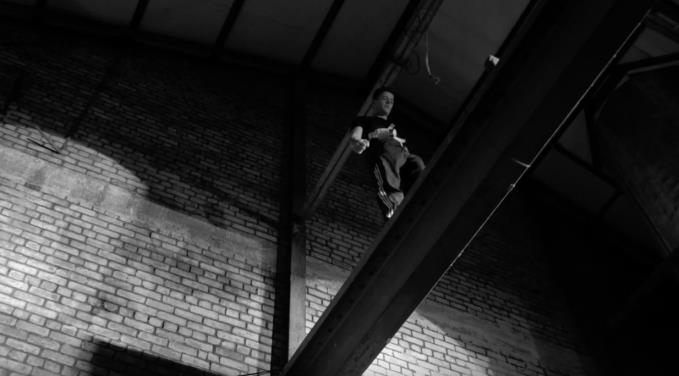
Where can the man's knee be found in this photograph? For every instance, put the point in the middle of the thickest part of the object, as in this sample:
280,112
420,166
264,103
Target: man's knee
417,164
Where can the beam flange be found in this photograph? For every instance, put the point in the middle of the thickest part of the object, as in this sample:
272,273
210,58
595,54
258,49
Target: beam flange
227,26
388,48
536,87
650,63
322,32
297,312
586,166
138,15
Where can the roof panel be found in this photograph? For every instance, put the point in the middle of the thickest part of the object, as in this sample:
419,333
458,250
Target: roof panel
574,182
197,21
576,138
115,12
655,44
25,2
461,36
357,36
278,29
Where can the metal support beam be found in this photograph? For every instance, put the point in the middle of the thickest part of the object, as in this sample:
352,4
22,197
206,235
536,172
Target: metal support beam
290,305
594,99
227,26
654,22
651,63
614,77
138,15
321,33
418,22
586,166
609,82
538,83
297,327
609,203
388,49
594,149
669,9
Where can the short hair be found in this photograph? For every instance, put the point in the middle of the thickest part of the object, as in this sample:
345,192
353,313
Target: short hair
382,89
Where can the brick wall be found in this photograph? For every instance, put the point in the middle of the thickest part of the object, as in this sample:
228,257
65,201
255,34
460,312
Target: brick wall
74,275
148,244
152,235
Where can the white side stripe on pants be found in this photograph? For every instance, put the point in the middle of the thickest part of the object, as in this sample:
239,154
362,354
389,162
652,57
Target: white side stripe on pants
380,190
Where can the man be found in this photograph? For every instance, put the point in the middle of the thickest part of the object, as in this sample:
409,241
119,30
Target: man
395,169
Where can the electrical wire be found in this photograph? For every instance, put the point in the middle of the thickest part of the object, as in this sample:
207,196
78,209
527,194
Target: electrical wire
435,79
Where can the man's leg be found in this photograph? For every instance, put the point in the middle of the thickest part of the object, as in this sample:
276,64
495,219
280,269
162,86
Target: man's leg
410,171
388,197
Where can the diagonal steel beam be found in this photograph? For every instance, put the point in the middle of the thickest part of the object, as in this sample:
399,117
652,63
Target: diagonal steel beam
387,51
656,21
650,63
540,79
227,26
669,9
138,14
322,33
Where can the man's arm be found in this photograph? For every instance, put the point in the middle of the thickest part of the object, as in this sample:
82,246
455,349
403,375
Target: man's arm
358,143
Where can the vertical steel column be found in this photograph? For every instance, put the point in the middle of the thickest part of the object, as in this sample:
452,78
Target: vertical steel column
297,313
290,304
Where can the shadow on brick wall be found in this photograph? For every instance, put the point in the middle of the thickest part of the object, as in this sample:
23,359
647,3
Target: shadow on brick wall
180,131
108,359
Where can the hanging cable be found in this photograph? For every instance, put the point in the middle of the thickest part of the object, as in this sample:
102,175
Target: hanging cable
435,79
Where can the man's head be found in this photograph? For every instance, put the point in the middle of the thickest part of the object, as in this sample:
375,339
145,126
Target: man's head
383,101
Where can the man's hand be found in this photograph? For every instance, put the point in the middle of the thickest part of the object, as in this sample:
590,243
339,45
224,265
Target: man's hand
382,133
359,146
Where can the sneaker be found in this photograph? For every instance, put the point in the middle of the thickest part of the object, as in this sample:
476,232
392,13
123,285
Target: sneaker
396,198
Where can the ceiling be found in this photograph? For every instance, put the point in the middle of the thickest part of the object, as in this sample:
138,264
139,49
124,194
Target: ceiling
461,36
346,38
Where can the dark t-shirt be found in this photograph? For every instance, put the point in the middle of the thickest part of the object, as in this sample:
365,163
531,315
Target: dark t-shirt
386,147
